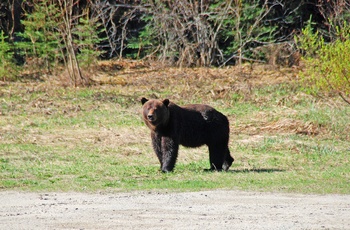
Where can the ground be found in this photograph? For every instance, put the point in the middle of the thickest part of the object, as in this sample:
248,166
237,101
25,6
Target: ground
219,209
55,139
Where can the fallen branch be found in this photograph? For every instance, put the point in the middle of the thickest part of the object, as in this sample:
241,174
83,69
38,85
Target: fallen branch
242,58
344,98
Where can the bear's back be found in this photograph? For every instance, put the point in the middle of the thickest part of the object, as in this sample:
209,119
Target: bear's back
197,124
205,113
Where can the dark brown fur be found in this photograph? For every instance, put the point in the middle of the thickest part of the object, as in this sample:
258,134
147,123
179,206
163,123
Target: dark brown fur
190,126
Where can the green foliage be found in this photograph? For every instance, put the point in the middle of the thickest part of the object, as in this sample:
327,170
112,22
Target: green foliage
55,33
246,26
310,41
327,64
8,69
142,44
86,38
41,37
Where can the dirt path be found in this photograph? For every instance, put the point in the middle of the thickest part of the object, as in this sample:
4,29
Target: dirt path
194,210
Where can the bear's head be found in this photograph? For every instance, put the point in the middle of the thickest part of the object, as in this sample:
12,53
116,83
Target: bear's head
155,113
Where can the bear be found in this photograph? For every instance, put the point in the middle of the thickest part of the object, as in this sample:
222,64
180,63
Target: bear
190,126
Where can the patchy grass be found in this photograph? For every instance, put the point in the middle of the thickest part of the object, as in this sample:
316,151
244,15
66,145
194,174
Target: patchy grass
93,139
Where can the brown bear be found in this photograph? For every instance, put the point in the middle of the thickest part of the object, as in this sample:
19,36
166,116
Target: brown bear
191,126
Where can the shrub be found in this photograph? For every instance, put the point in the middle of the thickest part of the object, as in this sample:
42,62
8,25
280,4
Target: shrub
40,39
59,32
187,33
8,69
327,68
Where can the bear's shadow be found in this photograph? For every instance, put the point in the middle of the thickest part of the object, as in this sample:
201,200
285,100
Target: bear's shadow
255,170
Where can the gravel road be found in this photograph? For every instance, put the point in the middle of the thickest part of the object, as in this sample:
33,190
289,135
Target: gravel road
191,210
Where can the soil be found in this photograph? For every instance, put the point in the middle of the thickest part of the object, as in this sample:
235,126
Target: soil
220,209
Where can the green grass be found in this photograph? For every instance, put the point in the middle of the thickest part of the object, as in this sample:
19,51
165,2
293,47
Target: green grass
94,140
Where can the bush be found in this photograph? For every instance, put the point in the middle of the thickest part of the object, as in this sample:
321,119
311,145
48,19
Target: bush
327,64
57,32
40,40
187,33
8,69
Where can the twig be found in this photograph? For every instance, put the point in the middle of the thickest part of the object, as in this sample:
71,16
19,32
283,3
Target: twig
344,98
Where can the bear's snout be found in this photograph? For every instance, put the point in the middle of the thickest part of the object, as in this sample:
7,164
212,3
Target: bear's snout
150,117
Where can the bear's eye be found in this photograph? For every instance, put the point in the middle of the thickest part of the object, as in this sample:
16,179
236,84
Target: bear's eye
151,108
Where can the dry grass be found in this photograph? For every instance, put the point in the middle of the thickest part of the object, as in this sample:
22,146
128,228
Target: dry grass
122,83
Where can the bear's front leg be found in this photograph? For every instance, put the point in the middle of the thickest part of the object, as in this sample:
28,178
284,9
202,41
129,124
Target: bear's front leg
157,146
170,148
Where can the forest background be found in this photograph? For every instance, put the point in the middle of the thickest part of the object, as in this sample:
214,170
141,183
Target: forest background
44,35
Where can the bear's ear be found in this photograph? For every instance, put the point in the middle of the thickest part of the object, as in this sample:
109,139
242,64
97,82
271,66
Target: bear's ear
166,102
144,100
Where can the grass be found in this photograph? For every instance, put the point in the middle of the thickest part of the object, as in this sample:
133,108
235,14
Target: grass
93,139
